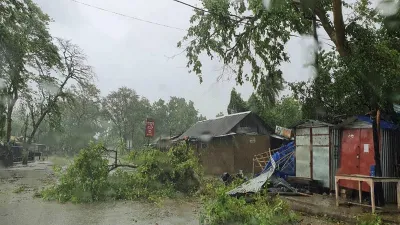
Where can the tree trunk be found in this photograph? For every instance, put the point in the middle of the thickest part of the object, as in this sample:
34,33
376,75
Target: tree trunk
9,122
339,27
25,132
379,200
36,126
10,109
133,133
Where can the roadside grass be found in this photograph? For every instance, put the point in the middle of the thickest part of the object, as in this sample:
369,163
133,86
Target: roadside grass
60,160
369,219
19,189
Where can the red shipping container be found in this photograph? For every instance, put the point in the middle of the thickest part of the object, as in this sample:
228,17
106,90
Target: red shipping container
357,155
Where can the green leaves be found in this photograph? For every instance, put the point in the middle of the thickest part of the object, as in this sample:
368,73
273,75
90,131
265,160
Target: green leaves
24,42
128,112
220,208
243,33
159,175
85,180
236,103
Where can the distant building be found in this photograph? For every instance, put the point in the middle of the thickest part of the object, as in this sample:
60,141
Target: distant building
163,143
228,143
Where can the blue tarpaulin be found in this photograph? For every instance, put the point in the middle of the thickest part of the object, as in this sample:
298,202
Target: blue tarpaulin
285,162
383,124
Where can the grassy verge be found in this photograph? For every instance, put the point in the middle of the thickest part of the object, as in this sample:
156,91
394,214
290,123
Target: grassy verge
60,160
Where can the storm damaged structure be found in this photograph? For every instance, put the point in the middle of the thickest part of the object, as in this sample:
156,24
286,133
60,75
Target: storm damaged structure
228,143
317,152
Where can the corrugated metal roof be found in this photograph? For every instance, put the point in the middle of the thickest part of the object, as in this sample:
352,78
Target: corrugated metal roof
215,127
396,108
256,184
311,123
358,121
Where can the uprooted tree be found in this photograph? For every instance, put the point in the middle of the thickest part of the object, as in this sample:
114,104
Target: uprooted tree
362,66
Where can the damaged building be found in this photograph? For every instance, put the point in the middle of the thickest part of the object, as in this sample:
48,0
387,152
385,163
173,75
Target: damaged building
228,143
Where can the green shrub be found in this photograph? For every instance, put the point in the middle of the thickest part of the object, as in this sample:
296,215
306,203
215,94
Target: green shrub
19,189
220,208
369,219
158,175
85,180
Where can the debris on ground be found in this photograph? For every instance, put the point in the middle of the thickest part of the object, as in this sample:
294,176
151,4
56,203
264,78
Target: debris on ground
278,168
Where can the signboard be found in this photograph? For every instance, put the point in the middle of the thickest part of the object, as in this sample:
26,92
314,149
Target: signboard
150,128
284,132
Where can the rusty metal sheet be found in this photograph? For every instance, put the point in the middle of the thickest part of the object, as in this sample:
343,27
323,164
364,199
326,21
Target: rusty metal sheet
254,185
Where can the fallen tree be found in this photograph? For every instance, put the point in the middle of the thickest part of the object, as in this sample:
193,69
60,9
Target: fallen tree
157,175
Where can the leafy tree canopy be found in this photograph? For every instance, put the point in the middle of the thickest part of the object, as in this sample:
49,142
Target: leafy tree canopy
362,65
236,103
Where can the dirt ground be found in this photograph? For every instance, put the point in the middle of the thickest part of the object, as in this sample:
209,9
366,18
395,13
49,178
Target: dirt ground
19,206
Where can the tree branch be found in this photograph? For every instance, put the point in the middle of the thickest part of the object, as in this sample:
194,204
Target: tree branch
326,24
339,27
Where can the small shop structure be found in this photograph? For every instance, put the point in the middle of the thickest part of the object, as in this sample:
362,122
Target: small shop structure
357,153
317,147
228,143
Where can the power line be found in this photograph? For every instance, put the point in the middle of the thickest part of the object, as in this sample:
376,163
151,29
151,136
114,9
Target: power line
191,6
206,11
127,16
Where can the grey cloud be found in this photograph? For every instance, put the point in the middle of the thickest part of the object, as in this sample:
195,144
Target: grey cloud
126,52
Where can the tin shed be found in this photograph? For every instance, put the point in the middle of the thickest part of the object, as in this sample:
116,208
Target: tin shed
235,139
317,145
358,152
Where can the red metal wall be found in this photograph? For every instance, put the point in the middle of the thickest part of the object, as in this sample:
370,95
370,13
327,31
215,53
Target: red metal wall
357,155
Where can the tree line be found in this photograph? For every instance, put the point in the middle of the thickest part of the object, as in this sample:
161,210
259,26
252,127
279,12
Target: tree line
49,96
285,111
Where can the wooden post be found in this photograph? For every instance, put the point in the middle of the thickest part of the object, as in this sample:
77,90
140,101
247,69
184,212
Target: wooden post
253,167
398,195
337,191
371,184
359,192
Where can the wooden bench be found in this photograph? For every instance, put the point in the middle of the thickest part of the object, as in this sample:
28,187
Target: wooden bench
370,181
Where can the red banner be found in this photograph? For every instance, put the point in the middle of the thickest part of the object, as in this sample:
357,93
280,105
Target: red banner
150,128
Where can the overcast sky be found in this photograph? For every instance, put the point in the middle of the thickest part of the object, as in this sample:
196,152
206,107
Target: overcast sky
127,52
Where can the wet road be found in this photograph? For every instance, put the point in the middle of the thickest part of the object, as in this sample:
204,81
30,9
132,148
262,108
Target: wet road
23,209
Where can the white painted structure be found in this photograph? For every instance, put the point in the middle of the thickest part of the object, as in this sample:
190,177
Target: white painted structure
316,158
